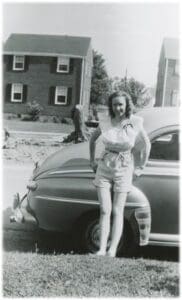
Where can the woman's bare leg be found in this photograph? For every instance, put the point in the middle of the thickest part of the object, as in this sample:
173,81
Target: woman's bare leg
118,219
104,196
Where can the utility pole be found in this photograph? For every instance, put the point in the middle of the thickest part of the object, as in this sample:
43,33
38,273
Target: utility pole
125,78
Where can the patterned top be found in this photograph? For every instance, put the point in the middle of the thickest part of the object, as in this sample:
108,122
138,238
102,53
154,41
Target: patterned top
129,135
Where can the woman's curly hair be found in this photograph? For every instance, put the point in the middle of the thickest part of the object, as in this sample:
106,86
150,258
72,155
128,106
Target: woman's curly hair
129,103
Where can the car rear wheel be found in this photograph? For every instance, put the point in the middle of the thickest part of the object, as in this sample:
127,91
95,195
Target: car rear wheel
89,236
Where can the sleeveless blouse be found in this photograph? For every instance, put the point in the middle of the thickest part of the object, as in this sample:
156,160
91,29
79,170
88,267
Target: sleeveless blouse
125,137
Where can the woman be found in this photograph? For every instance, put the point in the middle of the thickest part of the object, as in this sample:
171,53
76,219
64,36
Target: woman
122,135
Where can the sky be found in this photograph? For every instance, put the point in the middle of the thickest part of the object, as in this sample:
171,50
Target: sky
129,35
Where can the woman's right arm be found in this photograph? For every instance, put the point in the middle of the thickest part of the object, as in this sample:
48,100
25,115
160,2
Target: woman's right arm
92,145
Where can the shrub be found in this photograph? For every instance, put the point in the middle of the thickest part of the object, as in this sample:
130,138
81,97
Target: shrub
34,110
26,118
43,119
10,116
66,121
56,119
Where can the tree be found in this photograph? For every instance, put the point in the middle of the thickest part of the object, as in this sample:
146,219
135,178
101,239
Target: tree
100,83
137,90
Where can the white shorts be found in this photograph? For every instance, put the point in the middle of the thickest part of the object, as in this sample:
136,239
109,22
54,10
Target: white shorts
114,172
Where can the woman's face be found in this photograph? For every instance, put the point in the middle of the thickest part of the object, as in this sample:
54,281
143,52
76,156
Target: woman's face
119,106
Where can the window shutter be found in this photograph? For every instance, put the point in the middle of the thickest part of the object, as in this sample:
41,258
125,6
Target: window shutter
69,96
27,61
8,93
53,65
71,65
24,98
10,63
51,95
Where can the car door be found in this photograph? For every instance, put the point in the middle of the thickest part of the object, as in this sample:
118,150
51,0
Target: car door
160,182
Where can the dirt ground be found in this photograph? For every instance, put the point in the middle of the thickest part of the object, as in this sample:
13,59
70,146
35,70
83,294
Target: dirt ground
22,148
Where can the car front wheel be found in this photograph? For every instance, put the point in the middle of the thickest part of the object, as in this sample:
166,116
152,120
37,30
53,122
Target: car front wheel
89,236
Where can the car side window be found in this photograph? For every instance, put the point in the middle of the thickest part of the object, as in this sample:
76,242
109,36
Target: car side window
165,147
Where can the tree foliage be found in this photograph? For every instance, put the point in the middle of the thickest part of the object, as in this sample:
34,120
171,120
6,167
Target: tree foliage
137,90
102,86
100,83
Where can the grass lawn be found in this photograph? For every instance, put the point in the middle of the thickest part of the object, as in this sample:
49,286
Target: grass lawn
18,125
33,274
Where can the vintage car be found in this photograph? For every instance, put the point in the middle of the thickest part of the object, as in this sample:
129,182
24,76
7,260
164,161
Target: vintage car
61,195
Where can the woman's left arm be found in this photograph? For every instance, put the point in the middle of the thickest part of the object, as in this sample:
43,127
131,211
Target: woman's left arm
145,147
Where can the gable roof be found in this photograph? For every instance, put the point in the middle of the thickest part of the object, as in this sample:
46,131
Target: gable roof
171,48
47,45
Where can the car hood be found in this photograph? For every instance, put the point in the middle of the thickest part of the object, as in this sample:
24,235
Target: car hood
71,156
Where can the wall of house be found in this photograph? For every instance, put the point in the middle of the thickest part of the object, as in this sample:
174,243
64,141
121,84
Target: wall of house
172,82
40,78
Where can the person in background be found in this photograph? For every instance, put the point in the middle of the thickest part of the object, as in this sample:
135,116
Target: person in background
122,135
78,121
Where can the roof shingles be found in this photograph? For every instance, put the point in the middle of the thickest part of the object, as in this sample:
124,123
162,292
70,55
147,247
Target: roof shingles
47,44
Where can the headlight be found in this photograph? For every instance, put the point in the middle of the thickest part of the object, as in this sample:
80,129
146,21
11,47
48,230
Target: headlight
32,185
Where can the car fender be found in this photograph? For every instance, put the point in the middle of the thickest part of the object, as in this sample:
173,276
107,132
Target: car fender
136,198
138,214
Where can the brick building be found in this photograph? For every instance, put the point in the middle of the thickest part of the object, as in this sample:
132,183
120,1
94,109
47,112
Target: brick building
53,70
167,91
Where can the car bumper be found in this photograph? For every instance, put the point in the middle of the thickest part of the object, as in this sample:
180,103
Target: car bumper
21,214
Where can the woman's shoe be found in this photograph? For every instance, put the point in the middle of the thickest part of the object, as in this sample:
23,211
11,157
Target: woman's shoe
111,254
100,253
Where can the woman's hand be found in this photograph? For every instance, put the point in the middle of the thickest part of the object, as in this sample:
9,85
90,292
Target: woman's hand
94,165
138,172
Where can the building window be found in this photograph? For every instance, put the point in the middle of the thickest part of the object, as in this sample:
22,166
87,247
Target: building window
17,92
61,95
18,62
174,98
63,64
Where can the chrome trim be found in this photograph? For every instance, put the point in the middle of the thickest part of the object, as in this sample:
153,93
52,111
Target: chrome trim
173,173
92,202
135,205
70,171
159,163
71,200
164,239
163,243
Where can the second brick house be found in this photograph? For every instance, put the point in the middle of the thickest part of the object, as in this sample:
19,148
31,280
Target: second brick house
167,90
53,70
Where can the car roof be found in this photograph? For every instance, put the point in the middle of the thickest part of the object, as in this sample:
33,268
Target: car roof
158,117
